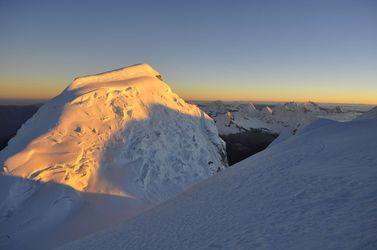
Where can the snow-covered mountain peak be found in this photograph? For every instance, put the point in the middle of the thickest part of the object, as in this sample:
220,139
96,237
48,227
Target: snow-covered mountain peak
120,132
266,110
248,108
290,106
122,74
302,107
217,107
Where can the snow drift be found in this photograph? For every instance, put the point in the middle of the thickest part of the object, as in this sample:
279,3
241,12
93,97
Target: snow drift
122,133
315,190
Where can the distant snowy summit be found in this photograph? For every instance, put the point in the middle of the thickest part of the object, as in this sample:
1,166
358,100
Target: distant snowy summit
237,117
121,133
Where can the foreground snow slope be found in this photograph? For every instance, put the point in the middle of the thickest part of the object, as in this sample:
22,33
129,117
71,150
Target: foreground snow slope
316,190
122,136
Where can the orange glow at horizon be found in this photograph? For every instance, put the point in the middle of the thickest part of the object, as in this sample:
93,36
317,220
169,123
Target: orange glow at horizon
42,93
352,96
42,89
37,94
340,99
26,89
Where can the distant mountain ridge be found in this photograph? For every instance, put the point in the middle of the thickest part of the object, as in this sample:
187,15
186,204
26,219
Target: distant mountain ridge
235,117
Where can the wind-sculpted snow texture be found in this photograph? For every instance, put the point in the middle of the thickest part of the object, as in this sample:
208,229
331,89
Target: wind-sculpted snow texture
122,133
315,190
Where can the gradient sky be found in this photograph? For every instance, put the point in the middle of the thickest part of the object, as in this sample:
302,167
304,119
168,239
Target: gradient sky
322,51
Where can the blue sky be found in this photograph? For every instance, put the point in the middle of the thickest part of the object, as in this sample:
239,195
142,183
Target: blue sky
230,50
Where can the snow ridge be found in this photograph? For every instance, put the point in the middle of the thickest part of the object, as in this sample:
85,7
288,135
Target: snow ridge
122,74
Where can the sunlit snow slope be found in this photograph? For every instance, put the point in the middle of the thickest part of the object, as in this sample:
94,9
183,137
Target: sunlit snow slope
316,190
104,128
122,133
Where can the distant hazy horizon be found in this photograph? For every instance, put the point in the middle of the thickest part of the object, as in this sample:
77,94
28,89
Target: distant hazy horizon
20,102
